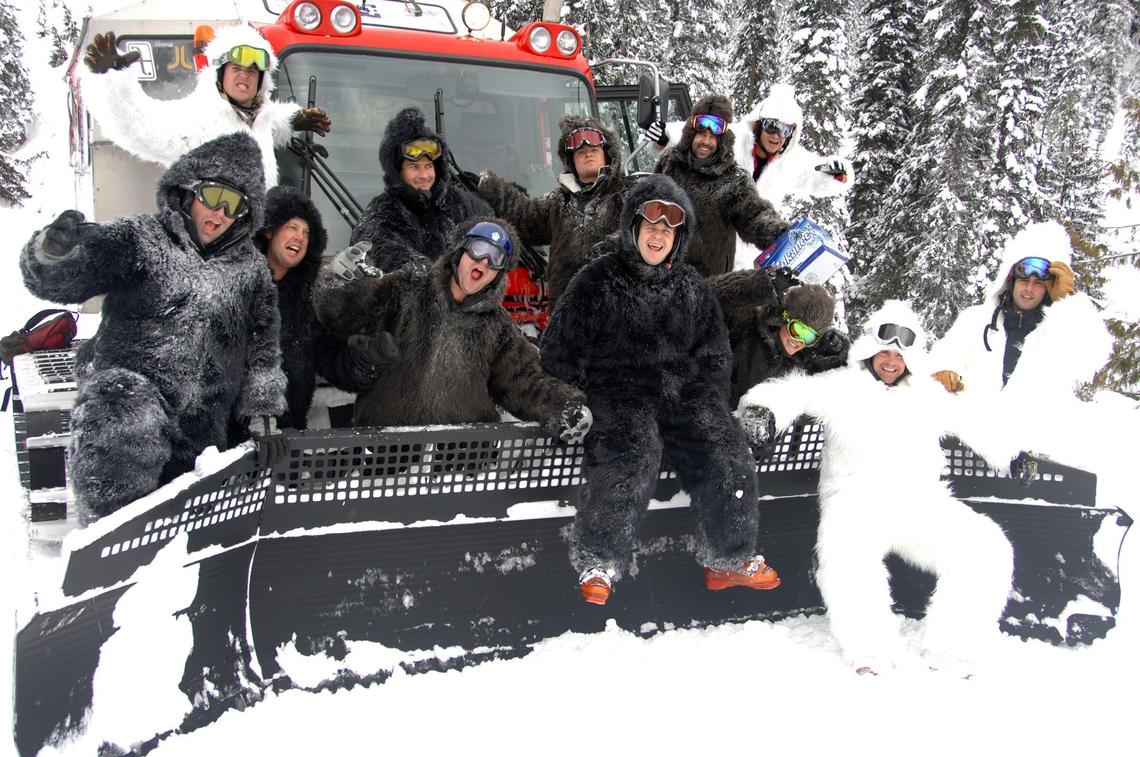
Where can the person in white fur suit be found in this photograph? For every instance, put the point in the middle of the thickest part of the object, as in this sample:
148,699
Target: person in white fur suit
232,94
1034,334
881,492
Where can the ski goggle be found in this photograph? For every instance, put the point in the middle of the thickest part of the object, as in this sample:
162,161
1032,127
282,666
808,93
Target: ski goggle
655,211
892,333
418,148
215,195
248,56
709,122
800,332
482,249
773,126
585,137
1027,267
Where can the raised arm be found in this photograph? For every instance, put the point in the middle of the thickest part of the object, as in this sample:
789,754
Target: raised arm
363,306
71,260
531,217
263,387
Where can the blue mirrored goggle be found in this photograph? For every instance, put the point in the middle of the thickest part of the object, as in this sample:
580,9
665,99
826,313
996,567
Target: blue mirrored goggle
709,122
1027,267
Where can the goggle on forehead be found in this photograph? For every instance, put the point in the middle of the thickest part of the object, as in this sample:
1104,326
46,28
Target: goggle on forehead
585,137
893,333
655,211
216,195
248,56
709,122
774,126
799,331
418,148
1027,267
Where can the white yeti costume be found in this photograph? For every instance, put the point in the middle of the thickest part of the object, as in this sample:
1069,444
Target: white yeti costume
1067,348
160,131
880,492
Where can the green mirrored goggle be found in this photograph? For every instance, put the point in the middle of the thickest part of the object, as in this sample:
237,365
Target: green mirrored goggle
800,332
249,56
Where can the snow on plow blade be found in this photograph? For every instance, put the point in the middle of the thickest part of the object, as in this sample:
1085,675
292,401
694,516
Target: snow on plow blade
429,549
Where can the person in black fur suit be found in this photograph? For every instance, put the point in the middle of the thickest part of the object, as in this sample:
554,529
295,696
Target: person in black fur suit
766,328
640,331
189,334
412,220
580,211
462,355
723,194
293,238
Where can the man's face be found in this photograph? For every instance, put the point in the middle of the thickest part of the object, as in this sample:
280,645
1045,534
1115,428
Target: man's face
240,83
704,144
288,244
418,174
1028,293
210,224
588,162
888,366
791,346
655,241
772,143
471,276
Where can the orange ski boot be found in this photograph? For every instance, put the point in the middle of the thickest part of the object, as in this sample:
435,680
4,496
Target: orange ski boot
753,574
596,586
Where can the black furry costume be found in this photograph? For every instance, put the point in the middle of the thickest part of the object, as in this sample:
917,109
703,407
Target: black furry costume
189,335
404,224
459,359
307,347
568,219
722,193
753,313
648,345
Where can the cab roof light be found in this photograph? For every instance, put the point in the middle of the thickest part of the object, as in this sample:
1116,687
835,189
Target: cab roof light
307,16
327,17
476,16
549,39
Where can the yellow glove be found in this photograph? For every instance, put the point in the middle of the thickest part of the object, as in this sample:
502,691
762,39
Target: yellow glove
950,380
1062,283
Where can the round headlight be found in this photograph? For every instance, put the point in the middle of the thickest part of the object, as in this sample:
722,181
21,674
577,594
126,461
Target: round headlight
567,42
307,16
343,19
476,16
540,39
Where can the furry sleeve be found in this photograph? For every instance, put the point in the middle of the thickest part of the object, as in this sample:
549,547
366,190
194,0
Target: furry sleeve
396,237
263,388
366,306
793,395
279,116
565,345
710,350
531,217
105,258
520,386
754,218
949,352
333,360
1067,348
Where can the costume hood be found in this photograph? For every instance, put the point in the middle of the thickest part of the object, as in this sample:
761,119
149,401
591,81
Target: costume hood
227,38
656,187
283,203
779,104
1047,240
811,304
900,313
404,127
445,266
572,123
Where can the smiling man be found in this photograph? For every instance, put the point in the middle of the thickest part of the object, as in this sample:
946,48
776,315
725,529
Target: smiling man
723,195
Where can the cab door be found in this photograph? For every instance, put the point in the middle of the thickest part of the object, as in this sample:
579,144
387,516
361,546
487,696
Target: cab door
617,108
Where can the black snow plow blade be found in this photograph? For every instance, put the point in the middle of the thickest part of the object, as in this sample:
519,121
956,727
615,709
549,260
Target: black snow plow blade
363,551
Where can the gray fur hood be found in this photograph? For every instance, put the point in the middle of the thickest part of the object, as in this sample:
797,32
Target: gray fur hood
572,123
404,127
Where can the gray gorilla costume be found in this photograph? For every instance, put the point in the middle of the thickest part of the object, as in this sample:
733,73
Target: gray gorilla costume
649,347
188,336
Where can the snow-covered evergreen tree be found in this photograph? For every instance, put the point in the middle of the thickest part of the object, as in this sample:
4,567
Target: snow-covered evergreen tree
759,51
515,13
15,106
621,29
696,49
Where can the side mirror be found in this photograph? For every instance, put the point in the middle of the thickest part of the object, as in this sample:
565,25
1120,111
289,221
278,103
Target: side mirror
651,105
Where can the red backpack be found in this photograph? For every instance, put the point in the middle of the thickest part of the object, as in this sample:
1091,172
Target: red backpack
51,334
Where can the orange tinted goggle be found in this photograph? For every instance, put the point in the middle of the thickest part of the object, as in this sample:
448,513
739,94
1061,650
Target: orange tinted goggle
418,148
660,210
586,137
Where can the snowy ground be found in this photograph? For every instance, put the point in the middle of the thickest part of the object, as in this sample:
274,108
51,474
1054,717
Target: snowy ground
755,686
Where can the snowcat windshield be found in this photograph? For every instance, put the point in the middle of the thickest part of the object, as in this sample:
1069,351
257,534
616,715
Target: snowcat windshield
495,118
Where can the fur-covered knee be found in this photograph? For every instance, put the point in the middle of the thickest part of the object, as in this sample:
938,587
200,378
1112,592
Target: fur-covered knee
120,440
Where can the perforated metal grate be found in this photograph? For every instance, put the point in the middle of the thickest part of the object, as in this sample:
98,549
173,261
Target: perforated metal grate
799,449
46,379
962,462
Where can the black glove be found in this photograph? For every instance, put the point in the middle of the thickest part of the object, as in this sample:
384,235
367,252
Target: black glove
575,422
102,55
656,133
831,352
470,179
58,238
1023,468
373,354
759,426
272,446
315,120
833,168
784,279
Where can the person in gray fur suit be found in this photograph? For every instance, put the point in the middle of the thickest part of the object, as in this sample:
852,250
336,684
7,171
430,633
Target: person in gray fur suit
189,329
722,193
641,333
461,354
580,211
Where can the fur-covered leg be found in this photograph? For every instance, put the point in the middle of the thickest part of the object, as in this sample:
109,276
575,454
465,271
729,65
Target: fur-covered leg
707,449
120,441
622,456
973,560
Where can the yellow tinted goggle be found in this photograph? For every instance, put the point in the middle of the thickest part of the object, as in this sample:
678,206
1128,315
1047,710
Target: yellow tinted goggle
418,148
248,55
215,195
